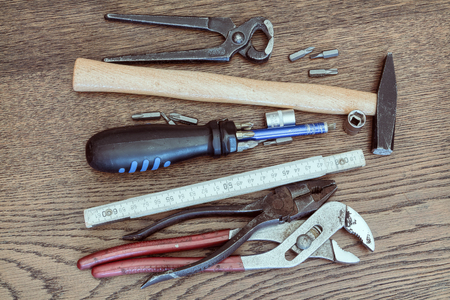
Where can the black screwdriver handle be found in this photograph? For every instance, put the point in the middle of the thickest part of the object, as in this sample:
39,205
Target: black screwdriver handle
148,147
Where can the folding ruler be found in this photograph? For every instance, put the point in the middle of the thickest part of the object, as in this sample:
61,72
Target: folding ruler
225,187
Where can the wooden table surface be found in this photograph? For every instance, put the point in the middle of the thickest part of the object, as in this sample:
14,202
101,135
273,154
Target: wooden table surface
45,182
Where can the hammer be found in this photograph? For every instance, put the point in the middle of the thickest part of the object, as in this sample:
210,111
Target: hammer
95,76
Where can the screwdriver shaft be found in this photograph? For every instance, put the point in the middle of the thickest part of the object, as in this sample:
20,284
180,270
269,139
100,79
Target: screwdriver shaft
280,132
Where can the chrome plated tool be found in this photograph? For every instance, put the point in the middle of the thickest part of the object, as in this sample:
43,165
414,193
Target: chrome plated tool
326,54
300,54
147,116
120,260
322,72
306,241
183,119
356,119
284,204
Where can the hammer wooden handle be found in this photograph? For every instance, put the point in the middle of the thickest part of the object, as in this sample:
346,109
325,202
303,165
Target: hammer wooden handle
95,76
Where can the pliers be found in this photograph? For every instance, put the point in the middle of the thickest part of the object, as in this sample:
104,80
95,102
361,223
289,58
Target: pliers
112,262
237,39
308,239
285,204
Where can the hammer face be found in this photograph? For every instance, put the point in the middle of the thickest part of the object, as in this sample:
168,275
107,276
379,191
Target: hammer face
384,121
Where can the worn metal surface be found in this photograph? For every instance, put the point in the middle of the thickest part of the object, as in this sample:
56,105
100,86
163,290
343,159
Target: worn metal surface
330,218
356,119
286,203
237,39
384,121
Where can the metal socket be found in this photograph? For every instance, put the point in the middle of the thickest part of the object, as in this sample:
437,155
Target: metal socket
356,119
280,118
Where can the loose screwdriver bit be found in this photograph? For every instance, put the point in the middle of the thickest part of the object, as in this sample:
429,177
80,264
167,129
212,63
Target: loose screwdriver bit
147,116
300,54
326,54
183,119
322,72
170,122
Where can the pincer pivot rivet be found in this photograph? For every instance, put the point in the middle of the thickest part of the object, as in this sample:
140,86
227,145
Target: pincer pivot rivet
238,38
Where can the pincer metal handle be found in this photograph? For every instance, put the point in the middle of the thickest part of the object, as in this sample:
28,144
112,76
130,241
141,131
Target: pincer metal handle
190,214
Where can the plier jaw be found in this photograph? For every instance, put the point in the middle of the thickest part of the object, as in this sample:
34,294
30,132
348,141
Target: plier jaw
310,195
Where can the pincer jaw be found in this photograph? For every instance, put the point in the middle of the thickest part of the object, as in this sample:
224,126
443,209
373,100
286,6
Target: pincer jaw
322,190
309,196
356,225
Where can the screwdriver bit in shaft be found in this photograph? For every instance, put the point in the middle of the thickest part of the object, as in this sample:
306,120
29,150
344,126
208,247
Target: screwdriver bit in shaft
281,132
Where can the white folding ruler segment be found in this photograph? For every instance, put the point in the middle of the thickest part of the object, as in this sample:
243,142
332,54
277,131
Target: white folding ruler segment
225,187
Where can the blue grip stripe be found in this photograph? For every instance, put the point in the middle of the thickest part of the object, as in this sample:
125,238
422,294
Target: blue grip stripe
144,165
133,167
156,163
166,164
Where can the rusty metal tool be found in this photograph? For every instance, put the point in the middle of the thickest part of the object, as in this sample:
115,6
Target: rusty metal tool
384,121
286,203
237,39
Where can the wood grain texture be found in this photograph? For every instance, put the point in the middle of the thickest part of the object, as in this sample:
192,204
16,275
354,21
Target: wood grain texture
45,182
94,76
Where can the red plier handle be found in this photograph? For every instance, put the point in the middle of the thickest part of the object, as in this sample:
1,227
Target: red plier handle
190,242
161,264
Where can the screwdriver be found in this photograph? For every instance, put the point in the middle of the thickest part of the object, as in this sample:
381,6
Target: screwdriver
150,146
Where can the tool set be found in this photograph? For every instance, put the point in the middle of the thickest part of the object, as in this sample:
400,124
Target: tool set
294,215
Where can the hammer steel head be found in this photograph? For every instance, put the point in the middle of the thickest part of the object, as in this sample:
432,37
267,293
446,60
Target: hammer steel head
384,121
